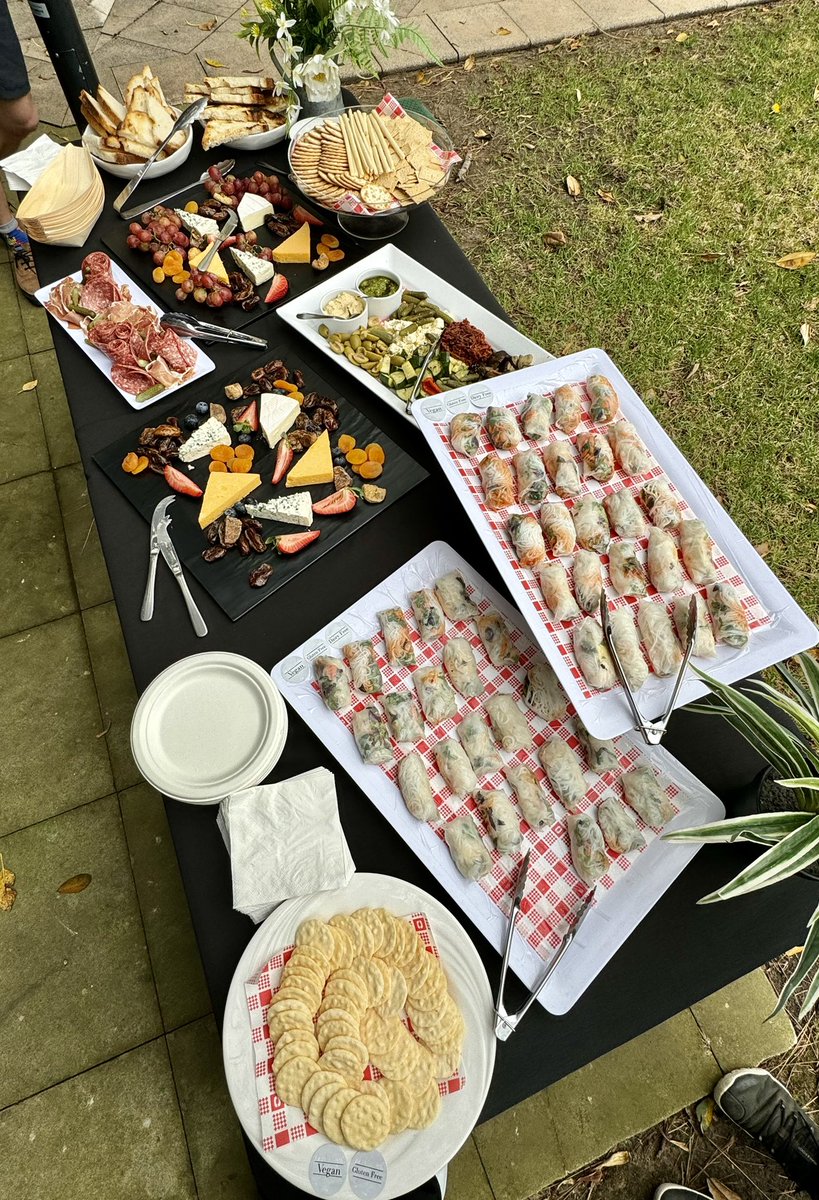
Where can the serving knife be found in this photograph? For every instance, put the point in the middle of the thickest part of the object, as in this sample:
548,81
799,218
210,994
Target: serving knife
185,118
159,520
225,166
168,552
224,233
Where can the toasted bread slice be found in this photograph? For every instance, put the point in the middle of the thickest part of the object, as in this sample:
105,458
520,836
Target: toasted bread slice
110,105
261,83
96,117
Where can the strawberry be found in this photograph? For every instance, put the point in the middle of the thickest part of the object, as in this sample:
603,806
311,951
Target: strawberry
291,543
181,483
284,457
247,421
340,502
279,287
301,214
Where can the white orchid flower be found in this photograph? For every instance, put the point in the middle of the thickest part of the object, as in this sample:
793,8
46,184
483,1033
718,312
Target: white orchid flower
321,78
283,25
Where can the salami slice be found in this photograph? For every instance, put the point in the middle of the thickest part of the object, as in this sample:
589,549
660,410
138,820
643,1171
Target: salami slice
96,263
131,379
98,293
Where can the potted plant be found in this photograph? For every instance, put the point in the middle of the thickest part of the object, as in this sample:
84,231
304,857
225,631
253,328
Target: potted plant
789,831
309,39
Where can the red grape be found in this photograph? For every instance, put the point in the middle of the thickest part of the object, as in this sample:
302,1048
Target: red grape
181,240
132,241
187,286
253,187
159,257
145,235
258,176
285,203
200,295
226,294
181,294
252,237
215,173
134,227
214,300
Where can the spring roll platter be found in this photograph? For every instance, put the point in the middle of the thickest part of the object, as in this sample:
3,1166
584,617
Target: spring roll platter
533,436
425,710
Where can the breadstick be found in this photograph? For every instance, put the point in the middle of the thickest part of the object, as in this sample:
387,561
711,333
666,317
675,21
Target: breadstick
366,150
358,160
379,146
384,124
350,147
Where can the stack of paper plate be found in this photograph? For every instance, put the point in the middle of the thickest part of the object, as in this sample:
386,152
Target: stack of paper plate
64,204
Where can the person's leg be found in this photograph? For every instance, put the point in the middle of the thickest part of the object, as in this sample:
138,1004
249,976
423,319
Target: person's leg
18,118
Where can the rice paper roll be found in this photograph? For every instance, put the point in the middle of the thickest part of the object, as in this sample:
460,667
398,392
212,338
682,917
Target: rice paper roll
497,481
454,597
661,645
593,656
543,693
527,538
697,551
568,401
397,637
438,701
428,614
562,468
536,417
596,455
618,826
474,736
465,432
533,482
333,677
604,403
403,716
626,572
645,793
626,642
624,513
497,639
562,767
663,561
730,622
414,785
504,826
591,525
704,644
461,668
629,449
661,504
532,802
371,736
455,767
468,852
502,428
601,753
509,725
554,584
558,528
364,668
587,575
589,857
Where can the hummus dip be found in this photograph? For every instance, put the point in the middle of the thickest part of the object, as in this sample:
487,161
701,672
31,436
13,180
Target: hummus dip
344,305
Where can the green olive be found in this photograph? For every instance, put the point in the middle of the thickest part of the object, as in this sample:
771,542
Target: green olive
355,341
324,331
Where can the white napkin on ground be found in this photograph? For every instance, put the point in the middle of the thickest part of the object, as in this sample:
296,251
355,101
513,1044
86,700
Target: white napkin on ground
24,168
284,839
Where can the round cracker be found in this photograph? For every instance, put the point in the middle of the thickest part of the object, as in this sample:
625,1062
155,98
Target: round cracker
373,978
348,975
426,1107
319,1101
401,1102
280,1022
343,1061
394,1001
311,960
300,1049
374,1087
389,933
333,1112
378,1032
365,1122
337,1000
364,933
352,1045
331,1013
335,1029
318,1080
445,1063
289,991
292,1077
343,950
303,977
316,933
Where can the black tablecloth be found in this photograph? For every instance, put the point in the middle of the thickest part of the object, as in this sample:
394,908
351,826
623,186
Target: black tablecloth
679,954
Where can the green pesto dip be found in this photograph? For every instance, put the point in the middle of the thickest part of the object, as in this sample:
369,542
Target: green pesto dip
378,285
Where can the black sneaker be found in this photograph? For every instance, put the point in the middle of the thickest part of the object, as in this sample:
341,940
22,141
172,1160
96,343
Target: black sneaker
760,1105
675,1191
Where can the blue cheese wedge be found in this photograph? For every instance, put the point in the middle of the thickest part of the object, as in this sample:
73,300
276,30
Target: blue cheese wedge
196,224
209,434
291,510
277,413
258,270
252,211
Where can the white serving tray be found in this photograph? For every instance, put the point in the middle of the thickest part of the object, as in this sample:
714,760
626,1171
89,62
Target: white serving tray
779,627
413,275
204,365
634,882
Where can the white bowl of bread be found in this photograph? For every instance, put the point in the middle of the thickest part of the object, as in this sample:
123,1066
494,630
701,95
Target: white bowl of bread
123,134
244,112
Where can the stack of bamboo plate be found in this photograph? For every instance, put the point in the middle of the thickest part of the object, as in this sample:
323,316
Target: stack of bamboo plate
64,204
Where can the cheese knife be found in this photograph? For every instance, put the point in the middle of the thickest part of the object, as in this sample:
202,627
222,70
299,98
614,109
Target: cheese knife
223,234
185,118
168,552
159,520
225,166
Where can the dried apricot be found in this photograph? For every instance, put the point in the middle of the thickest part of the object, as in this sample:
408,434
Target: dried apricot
370,470
298,397
181,276
141,465
245,451
375,453
158,275
329,239
192,207
129,462
335,255
222,453
284,385
356,457
241,466
172,264
345,443
216,465
320,263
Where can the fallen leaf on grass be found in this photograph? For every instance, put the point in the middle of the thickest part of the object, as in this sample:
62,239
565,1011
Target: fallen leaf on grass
712,25
77,883
206,26
680,1145
704,1112
573,186
812,304
28,387
503,31
469,63
710,256
579,95
7,893
213,62
800,258
794,950
694,371
483,135
647,218
681,37
721,1192
618,1159
816,94
805,332
605,196
554,239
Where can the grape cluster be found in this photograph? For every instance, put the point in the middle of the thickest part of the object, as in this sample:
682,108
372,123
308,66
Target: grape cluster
205,288
258,184
157,231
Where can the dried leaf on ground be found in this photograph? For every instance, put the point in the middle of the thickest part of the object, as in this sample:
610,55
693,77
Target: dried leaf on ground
205,26
463,170
29,387
503,31
710,256
804,330
794,950
469,63
797,260
579,95
763,549
681,37
704,1113
606,197
680,1145
77,883
7,893
618,1159
554,239
573,186
721,1192
647,218
483,135
213,62
694,371
812,304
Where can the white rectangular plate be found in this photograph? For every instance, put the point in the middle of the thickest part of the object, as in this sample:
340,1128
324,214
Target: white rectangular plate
634,882
204,365
413,275
779,628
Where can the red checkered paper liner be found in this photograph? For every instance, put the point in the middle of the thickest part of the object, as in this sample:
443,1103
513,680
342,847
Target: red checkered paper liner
561,632
283,1123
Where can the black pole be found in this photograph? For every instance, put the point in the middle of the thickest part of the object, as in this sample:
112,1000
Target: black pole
68,51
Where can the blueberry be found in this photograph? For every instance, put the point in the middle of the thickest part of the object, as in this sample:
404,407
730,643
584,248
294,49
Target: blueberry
244,439
339,458
202,409
191,421
240,509
230,512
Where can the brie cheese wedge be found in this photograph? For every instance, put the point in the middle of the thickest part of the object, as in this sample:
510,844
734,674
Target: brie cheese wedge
196,224
277,412
291,510
252,211
258,270
209,434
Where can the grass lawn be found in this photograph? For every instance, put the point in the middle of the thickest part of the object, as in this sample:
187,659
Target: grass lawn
687,129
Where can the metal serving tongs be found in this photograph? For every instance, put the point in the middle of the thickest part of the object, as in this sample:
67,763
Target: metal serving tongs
185,118
506,1023
652,731
187,325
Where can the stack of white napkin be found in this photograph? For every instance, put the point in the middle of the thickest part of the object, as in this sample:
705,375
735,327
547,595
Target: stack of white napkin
284,839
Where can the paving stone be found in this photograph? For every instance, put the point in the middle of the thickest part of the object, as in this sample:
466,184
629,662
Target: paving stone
237,54
114,1131
115,688
124,13
173,71
618,14
170,26
81,989
35,324
22,19
56,416
225,8
549,22
734,1022
466,1178
87,561
217,1150
177,967
35,576
13,342
51,758
409,57
476,30
24,441
519,1150
690,8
